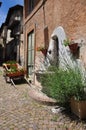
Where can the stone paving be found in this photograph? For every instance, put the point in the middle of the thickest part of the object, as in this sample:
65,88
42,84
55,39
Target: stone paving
18,111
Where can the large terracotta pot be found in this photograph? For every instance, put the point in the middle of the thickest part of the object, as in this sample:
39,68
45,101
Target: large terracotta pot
78,108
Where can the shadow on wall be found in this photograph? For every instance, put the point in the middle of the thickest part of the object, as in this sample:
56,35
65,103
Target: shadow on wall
11,50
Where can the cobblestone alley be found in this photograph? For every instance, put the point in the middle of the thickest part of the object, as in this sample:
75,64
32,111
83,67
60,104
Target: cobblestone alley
18,111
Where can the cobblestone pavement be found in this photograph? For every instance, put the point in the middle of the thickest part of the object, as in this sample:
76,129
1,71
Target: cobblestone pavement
18,111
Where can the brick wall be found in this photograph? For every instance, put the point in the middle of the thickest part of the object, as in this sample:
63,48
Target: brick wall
70,14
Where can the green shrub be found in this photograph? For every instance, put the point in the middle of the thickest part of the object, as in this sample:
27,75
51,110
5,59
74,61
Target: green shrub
63,84
11,62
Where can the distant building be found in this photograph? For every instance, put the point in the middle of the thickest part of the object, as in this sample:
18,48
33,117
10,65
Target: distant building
14,40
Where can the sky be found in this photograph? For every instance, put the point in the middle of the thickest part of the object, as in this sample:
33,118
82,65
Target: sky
6,4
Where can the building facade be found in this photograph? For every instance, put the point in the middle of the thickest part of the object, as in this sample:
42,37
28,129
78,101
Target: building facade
41,17
14,40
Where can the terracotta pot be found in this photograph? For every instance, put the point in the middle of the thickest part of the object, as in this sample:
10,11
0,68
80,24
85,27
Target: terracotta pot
73,47
44,52
78,108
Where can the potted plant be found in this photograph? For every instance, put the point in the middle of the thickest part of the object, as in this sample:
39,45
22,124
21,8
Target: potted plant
66,42
12,69
15,72
72,45
61,84
78,107
78,97
67,87
10,64
43,50
78,102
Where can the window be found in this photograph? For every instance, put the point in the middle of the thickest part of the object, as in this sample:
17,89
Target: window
31,5
30,53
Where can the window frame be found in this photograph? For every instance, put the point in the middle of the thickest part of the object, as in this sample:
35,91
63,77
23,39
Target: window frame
31,52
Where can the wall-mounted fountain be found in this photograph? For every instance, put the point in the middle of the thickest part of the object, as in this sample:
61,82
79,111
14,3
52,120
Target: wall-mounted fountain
60,55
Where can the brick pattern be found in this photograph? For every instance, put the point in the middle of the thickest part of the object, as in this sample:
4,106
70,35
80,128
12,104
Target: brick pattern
70,15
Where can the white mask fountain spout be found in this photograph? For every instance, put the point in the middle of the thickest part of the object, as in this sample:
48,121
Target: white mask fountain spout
60,55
